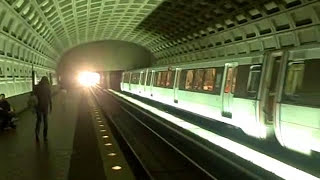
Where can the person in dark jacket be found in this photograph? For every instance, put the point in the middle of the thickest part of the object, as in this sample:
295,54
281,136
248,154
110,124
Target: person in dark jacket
44,104
6,112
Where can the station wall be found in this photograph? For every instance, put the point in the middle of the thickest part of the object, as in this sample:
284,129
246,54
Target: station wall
22,49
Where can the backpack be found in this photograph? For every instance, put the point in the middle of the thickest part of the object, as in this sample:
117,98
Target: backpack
32,101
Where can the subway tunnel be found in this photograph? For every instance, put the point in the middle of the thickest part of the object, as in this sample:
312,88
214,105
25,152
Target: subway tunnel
185,89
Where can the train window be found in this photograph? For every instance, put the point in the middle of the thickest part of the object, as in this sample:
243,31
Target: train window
209,78
247,81
164,78
126,77
218,83
131,77
170,79
198,79
157,79
229,80
234,79
301,85
294,78
254,80
274,75
182,81
149,78
143,76
189,79
135,78
242,77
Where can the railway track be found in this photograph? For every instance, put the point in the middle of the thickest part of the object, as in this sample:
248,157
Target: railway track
166,151
270,147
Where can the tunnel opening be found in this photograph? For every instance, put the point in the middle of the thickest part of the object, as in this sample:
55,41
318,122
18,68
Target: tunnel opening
108,58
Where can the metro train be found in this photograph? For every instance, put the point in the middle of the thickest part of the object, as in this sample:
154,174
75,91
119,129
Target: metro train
271,93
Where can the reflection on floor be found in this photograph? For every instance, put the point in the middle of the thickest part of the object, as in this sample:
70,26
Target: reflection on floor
22,158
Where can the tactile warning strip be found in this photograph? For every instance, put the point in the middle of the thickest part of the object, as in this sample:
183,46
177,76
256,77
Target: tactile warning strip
114,163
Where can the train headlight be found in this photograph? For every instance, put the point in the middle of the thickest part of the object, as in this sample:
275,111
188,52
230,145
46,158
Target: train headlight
88,78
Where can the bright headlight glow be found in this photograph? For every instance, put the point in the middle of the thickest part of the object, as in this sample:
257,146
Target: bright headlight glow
88,78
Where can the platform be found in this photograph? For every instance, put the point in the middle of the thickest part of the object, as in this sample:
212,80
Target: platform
74,149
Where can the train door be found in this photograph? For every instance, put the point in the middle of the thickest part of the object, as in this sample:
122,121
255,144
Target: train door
141,82
146,81
270,87
152,81
122,81
130,75
176,84
229,86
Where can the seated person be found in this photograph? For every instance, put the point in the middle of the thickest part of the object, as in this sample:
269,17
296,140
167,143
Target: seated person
6,112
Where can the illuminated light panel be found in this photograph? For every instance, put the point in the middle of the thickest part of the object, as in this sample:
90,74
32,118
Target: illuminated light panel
116,167
300,136
186,125
268,163
108,144
258,131
103,130
195,108
105,137
101,125
112,154
88,79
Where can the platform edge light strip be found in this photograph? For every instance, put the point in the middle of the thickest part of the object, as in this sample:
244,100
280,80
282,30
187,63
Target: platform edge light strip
268,163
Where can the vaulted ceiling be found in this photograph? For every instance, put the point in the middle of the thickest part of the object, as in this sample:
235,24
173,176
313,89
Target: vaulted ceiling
50,27
62,24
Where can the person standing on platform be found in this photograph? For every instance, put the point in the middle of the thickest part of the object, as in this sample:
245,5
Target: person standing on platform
44,105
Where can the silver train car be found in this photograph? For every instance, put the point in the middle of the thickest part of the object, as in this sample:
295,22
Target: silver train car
264,93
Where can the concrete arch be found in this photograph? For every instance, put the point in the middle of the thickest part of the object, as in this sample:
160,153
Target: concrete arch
109,55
